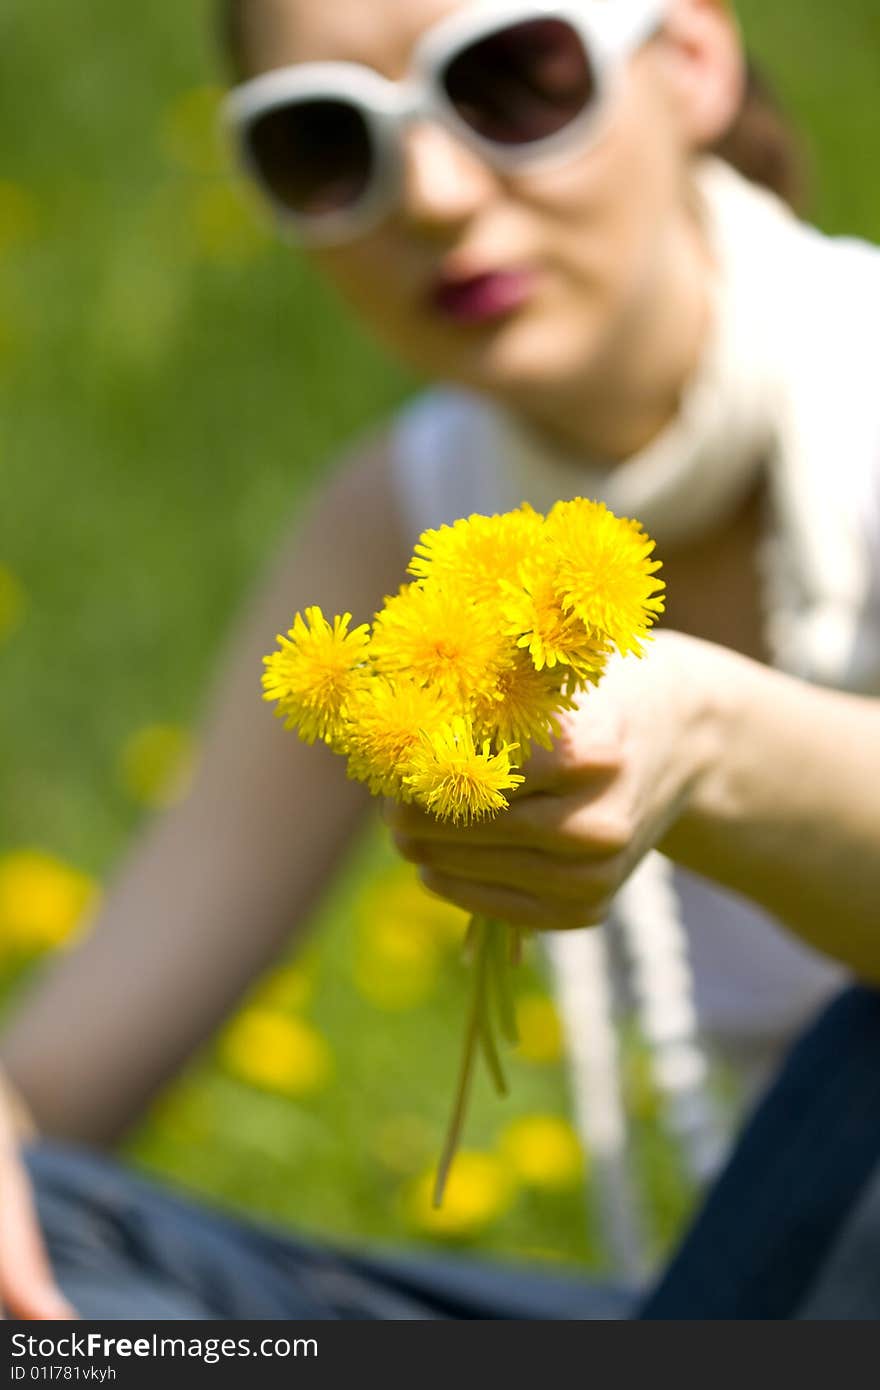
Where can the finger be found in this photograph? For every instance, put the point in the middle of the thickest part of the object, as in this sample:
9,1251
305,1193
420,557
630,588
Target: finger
570,762
572,826
27,1285
509,905
546,772
589,743
546,876
408,818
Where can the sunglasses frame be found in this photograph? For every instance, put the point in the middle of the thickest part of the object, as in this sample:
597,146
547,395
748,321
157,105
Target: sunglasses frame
610,31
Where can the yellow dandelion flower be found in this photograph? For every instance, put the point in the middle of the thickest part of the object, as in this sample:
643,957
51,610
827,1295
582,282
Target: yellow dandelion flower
475,555
539,1029
43,902
387,721
480,1190
155,764
455,781
277,1053
544,1152
316,673
524,706
535,615
438,637
604,572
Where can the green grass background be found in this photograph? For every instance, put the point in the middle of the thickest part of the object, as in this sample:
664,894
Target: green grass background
170,383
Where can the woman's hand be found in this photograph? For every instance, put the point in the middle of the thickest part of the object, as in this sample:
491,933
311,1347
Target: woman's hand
619,778
27,1286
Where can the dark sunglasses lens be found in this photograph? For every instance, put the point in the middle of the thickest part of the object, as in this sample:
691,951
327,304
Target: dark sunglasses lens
314,157
522,83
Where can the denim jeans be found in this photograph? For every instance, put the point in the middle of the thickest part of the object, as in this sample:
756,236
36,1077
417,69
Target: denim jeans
125,1248
790,1230
792,1227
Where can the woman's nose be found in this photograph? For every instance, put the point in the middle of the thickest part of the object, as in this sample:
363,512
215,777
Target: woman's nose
444,183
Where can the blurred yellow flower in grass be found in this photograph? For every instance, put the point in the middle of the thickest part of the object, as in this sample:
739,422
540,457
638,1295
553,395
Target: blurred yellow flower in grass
219,226
43,902
290,987
395,966
406,988
19,218
402,1144
12,602
399,895
155,765
190,132
544,1152
222,227
278,1053
479,1190
403,934
540,1031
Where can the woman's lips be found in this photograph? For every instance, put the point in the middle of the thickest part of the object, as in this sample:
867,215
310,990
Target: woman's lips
481,298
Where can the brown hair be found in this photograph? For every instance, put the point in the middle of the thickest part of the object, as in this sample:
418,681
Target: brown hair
761,143
232,37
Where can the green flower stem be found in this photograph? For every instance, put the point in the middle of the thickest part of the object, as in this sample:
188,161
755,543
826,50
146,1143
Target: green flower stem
478,933
490,1049
470,937
500,966
490,944
516,945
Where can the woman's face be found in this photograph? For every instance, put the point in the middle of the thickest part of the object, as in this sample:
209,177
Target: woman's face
578,248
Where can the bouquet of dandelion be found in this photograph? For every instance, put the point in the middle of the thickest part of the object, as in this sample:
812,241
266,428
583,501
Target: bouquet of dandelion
507,619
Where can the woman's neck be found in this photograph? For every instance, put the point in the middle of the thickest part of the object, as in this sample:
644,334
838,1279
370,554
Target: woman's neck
629,397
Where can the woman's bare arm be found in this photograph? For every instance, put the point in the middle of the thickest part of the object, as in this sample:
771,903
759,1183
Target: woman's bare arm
788,809
220,883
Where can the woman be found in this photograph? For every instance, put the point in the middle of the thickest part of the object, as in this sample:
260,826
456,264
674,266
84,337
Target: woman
529,220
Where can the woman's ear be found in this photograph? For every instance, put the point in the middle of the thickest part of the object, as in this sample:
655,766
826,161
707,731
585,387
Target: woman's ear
706,65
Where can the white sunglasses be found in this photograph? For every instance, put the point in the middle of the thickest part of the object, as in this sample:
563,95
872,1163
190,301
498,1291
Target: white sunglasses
520,82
